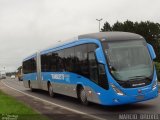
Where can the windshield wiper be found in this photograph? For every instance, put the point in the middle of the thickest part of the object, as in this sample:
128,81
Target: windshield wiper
138,77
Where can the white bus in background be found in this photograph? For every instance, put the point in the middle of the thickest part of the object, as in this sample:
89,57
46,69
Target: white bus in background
2,75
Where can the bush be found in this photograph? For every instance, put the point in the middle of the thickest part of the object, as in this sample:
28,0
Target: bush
158,70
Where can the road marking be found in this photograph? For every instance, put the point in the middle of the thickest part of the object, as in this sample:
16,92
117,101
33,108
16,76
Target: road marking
66,108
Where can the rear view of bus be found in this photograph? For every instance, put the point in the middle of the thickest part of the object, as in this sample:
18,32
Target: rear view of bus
130,69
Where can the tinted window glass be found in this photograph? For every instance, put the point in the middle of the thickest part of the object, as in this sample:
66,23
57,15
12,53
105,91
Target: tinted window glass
45,63
33,64
103,82
74,59
81,60
92,47
53,62
69,59
49,62
93,68
29,66
60,61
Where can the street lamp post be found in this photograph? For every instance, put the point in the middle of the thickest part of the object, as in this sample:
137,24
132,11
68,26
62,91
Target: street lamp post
99,20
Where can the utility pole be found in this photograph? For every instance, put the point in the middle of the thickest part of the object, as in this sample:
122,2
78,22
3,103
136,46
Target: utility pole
99,21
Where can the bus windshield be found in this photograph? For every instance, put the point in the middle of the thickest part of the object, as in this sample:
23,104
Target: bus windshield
128,60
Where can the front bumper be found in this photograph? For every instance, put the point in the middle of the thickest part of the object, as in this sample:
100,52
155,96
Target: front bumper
120,100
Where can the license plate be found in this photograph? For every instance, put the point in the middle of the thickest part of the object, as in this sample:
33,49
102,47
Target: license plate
140,97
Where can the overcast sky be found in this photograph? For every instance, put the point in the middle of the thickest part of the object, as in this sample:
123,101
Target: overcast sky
30,25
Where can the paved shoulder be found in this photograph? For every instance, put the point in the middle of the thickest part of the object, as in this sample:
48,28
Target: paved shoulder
45,108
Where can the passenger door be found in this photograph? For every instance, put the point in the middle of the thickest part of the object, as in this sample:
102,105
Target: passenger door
97,71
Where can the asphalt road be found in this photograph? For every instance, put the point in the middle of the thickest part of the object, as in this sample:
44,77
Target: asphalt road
151,107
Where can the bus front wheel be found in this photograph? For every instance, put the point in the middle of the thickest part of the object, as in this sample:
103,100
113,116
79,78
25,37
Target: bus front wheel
83,96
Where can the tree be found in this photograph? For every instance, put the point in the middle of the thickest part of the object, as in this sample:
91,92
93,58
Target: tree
106,27
128,26
118,26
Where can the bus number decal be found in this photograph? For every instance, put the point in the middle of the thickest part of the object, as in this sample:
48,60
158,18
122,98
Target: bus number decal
58,76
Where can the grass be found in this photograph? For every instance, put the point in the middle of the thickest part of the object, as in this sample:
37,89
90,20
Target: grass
10,107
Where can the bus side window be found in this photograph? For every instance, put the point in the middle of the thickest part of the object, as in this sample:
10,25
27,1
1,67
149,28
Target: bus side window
53,62
29,66
93,67
24,67
44,62
81,61
33,65
69,59
60,61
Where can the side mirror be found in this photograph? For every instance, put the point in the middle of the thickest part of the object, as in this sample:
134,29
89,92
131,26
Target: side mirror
151,51
99,56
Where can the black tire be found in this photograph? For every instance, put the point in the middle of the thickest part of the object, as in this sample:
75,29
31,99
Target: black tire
50,90
30,86
82,96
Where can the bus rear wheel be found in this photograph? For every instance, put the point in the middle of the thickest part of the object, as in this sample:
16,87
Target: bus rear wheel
30,86
50,90
83,96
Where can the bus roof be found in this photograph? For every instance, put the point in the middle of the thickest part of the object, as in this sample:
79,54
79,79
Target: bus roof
110,36
29,57
107,36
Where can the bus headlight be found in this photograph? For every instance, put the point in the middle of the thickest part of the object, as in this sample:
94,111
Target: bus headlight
154,85
118,91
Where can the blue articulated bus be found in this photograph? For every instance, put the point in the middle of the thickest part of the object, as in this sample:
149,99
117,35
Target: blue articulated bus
108,68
